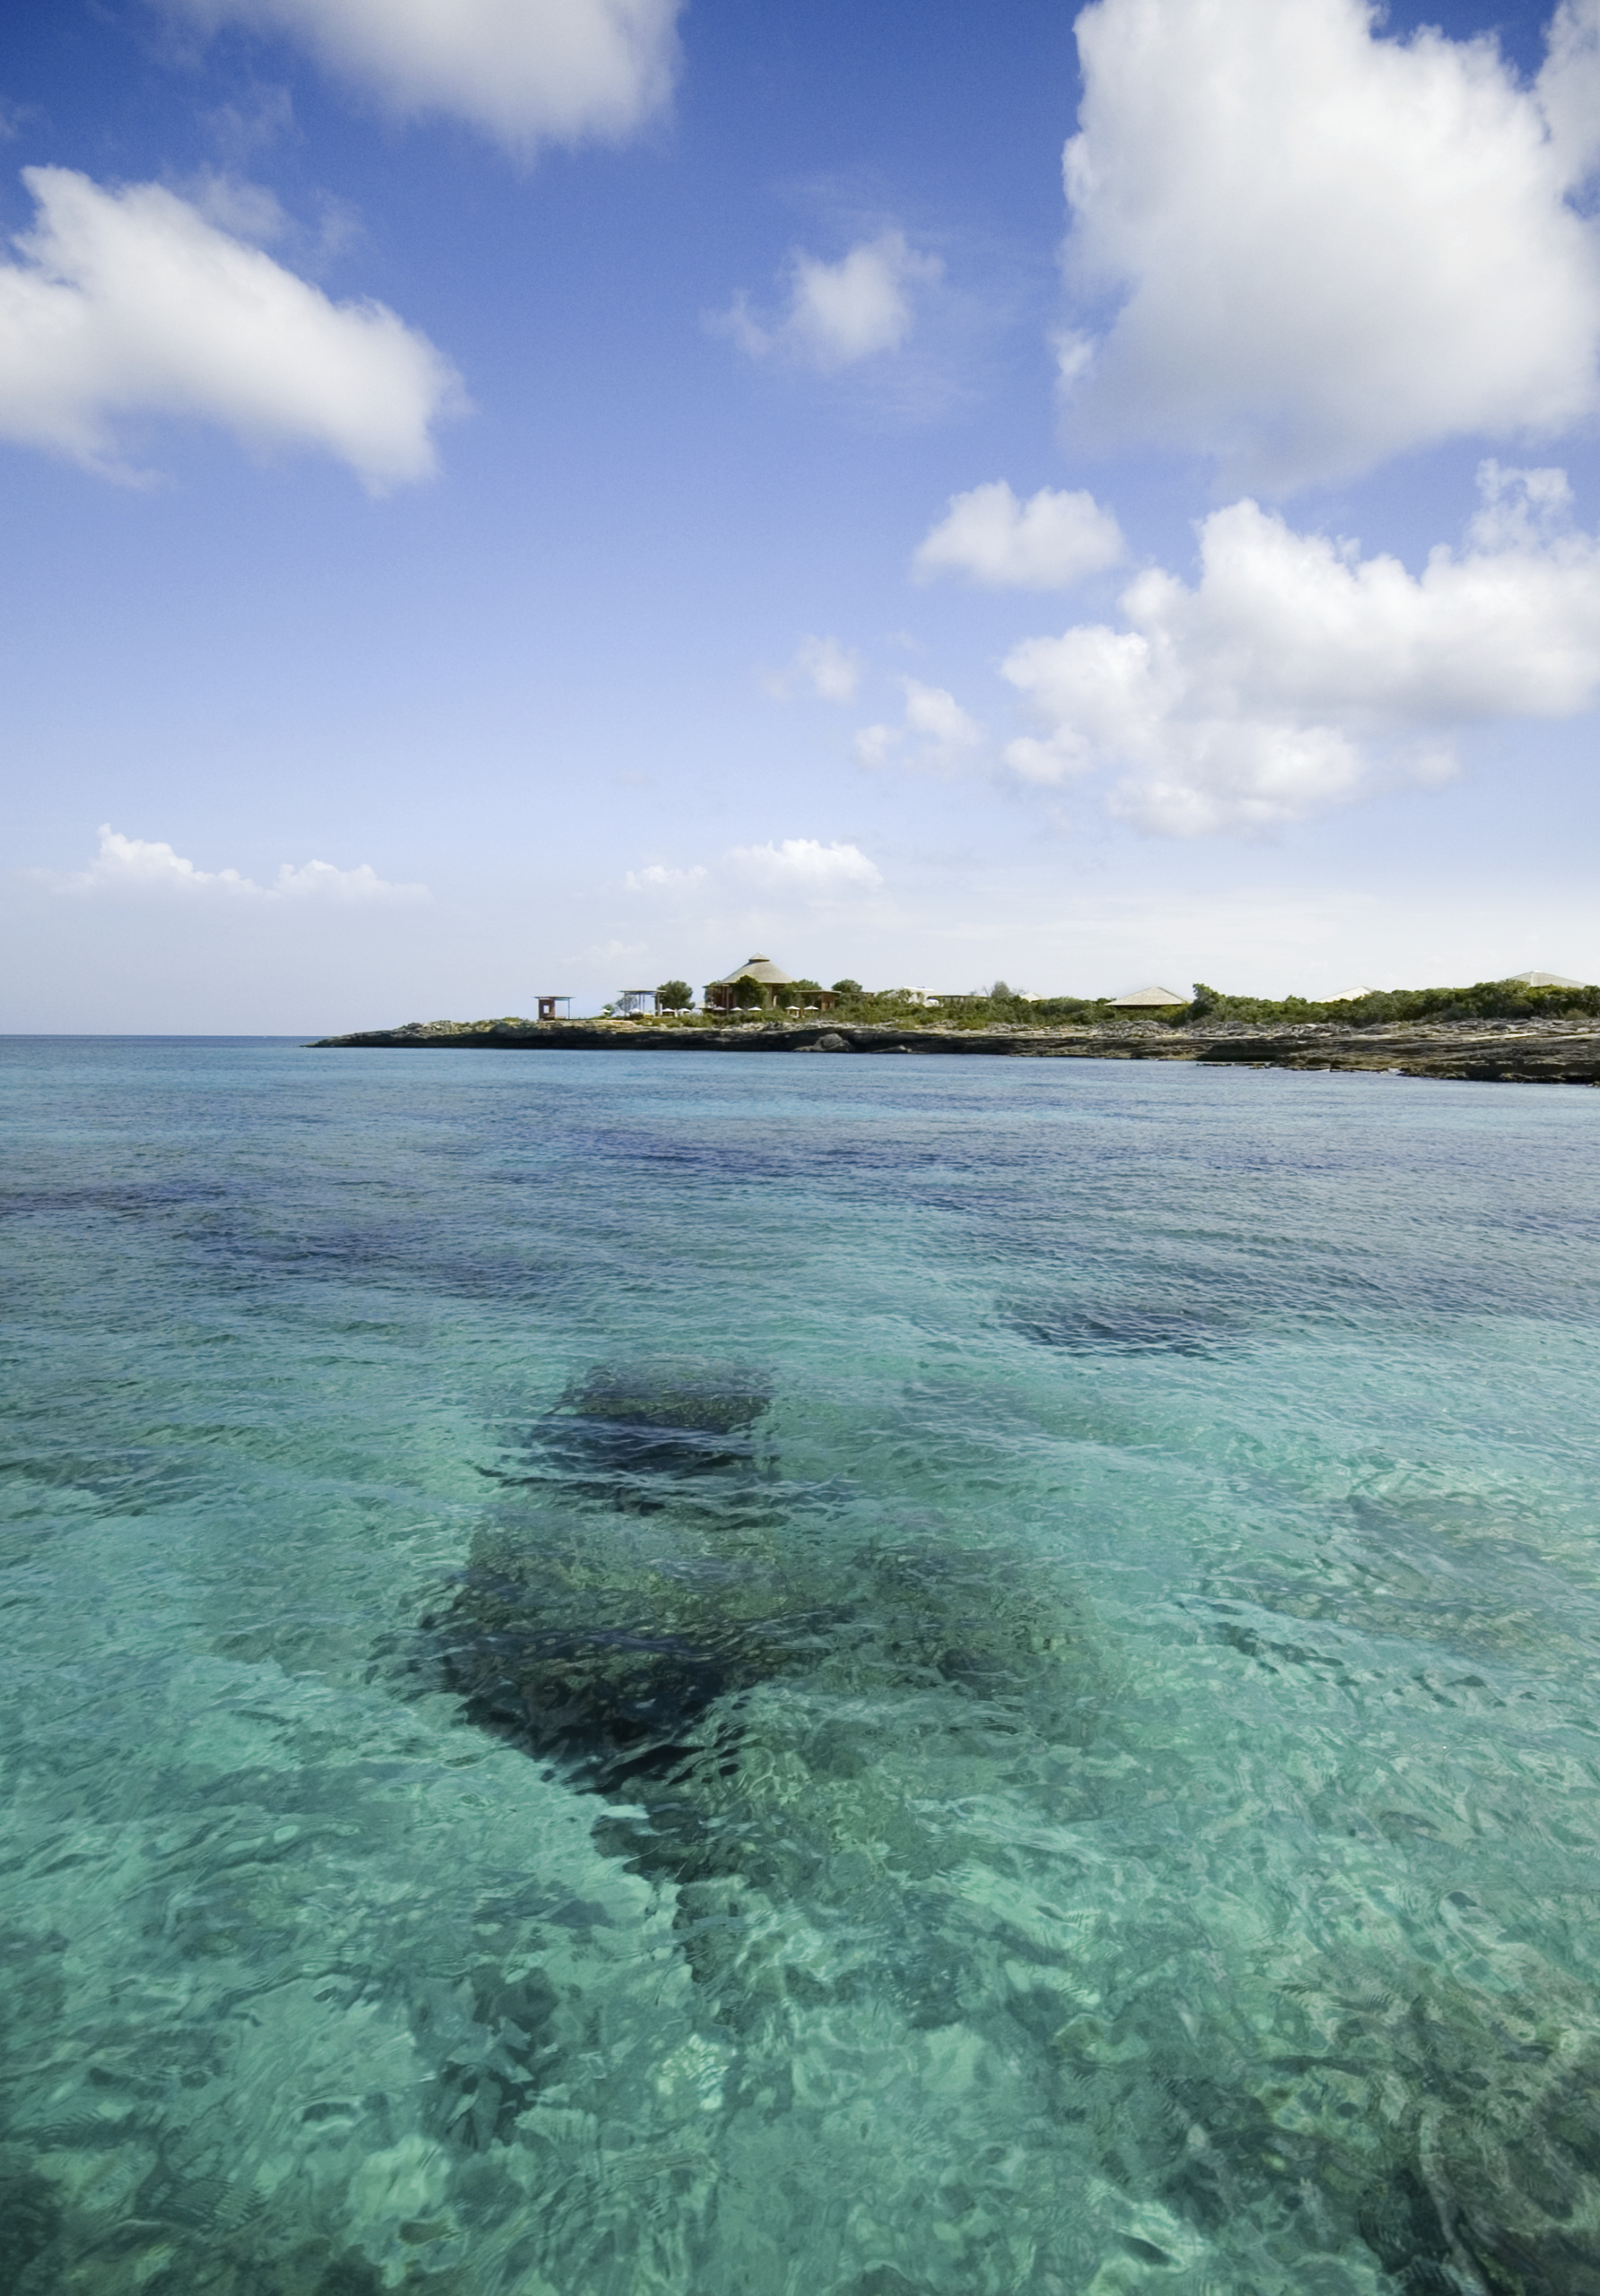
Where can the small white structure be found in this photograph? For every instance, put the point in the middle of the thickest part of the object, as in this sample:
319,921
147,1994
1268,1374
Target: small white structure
1151,999
1346,996
1545,980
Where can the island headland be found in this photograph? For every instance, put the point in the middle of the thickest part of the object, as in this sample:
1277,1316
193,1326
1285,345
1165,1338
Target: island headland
1520,1032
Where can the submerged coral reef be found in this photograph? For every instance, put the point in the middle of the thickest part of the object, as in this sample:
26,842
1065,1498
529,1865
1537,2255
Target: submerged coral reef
654,1612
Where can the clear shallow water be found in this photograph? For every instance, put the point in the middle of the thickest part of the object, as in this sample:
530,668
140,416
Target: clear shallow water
631,1675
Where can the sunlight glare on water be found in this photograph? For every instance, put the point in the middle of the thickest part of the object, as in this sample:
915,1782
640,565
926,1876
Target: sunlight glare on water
688,1676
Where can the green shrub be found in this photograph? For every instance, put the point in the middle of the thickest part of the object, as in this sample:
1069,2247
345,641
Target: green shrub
1483,1000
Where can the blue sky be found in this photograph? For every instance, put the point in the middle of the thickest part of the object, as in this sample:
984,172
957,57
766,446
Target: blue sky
519,495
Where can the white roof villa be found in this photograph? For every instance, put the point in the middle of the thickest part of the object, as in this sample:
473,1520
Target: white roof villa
1545,980
1150,999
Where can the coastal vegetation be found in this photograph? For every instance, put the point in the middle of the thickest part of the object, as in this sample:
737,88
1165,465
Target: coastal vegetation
1483,1000
1002,1007
972,1008
1540,1031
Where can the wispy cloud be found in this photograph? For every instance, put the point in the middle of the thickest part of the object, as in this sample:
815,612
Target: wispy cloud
792,865
936,734
148,867
804,864
839,313
820,669
657,878
241,132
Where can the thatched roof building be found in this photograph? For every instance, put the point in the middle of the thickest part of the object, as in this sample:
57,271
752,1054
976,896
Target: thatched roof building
769,978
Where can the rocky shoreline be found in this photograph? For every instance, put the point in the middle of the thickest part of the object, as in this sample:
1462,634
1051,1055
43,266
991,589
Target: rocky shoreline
1564,1051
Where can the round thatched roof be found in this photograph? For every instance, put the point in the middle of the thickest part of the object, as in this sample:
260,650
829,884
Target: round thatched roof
757,968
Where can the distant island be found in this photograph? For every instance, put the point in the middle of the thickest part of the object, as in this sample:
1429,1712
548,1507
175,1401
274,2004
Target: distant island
1531,1028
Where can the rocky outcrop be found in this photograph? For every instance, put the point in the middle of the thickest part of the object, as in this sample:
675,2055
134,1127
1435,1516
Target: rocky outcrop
1510,1052
1489,1052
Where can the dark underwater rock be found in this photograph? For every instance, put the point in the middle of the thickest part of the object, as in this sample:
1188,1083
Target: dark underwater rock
694,1393
654,1419
658,1614
569,1636
651,1574
615,1673
1129,1327
610,1700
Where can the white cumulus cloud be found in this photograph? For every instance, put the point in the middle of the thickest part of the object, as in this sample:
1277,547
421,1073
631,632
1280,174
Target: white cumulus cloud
143,865
936,734
1047,542
1295,673
794,865
1331,247
526,71
130,303
821,669
806,865
841,312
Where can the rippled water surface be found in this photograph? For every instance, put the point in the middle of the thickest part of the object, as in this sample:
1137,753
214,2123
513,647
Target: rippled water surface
637,1676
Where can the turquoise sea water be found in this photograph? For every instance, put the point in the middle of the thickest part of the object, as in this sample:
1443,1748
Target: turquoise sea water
632,1676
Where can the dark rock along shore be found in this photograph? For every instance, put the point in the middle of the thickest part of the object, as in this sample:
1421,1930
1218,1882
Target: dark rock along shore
1511,1052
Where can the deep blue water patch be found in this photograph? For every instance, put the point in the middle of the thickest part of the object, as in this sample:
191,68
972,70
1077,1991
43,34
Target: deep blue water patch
633,1677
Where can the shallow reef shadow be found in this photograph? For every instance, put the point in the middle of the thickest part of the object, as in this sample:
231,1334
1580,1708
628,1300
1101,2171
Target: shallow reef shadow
653,1611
